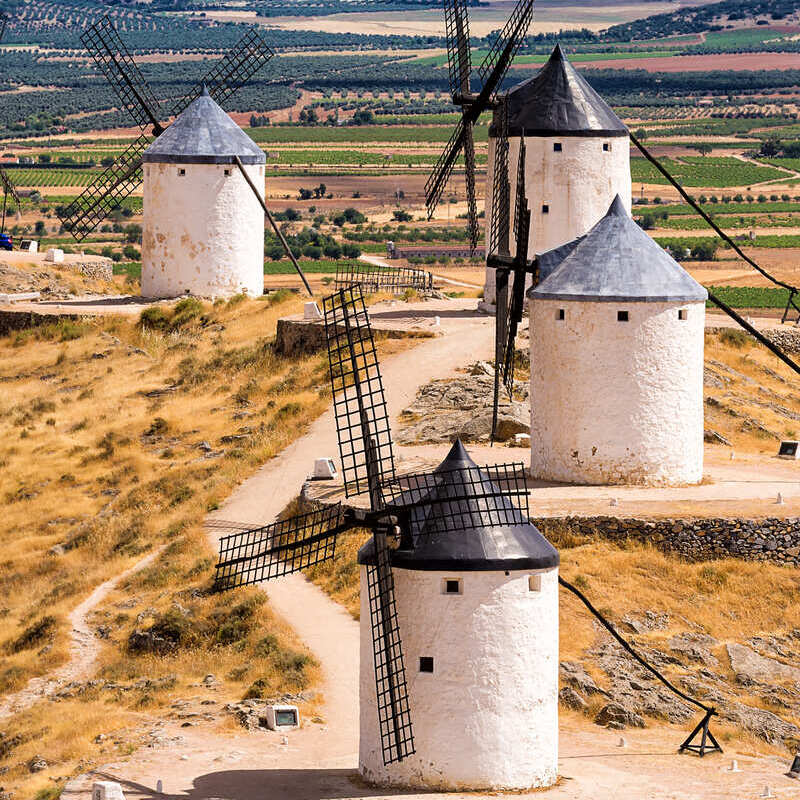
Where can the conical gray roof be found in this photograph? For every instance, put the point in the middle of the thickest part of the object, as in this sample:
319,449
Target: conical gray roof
203,134
514,545
616,261
559,102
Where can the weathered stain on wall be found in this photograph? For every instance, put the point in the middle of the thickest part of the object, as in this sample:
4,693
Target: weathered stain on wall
203,231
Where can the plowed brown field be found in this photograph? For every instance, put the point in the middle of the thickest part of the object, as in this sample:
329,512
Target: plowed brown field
717,61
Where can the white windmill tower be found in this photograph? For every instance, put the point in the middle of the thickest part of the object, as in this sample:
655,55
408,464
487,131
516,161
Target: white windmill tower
203,234
459,594
577,156
617,337
478,613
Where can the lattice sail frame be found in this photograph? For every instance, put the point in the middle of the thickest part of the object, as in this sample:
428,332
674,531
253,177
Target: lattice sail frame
492,72
375,278
359,403
107,192
117,65
472,498
259,554
117,182
394,716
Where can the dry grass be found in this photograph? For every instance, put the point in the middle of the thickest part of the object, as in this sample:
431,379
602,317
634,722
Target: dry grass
102,425
757,388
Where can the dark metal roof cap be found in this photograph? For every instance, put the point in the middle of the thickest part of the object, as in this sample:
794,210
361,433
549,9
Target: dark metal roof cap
203,134
616,261
514,546
560,102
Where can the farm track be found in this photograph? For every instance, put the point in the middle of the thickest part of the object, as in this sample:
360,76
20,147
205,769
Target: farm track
84,648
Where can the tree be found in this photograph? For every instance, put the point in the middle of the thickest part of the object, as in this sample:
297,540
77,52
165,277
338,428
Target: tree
39,228
133,233
770,147
704,148
400,215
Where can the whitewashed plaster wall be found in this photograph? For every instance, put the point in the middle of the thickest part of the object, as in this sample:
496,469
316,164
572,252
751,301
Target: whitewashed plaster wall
616,402
487,717
203,231
578,184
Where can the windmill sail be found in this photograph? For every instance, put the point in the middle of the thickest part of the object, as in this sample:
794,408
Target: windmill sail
492,71
394,717
378,278
116,63
271,551
359,403
230,73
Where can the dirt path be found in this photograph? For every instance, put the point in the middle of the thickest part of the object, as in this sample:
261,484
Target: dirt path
84,647
381,262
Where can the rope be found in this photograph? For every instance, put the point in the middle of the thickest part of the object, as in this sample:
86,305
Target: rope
724,236
710,711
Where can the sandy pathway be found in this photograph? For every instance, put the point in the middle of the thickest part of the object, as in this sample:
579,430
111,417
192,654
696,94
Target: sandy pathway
83,650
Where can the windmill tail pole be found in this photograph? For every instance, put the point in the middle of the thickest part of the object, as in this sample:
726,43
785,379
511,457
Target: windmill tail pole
277,230
724,236
757,334
710,712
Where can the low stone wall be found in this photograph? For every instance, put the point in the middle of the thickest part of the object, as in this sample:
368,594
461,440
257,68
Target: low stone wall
100,270
776,540
19,320
298,336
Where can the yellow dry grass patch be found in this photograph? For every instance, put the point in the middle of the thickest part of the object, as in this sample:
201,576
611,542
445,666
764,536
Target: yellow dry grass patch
758,388
113,439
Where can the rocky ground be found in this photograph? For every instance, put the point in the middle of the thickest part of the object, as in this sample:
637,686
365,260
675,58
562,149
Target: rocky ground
462,407
754,685
53,282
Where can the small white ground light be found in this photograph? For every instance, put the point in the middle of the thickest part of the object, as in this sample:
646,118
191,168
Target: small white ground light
282,718
324,469
107,790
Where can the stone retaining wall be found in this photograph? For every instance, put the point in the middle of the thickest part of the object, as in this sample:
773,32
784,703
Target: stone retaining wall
101,270
299,336
20,320
776,540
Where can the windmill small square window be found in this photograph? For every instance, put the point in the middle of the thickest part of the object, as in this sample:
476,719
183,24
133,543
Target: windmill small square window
181,172
545,209
426,664
534,583
683,314
606,147
227,173
557,147
561,314
452,586
622,316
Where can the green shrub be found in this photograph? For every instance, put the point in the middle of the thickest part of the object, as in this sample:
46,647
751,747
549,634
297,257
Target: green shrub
33,635
154,317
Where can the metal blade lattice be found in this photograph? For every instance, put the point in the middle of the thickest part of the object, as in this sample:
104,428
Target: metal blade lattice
375,278
107,192
461,499
8,185
469,175
394,718
437,181
111,56
249,55
495,65
459,56
358,400
284,547
501,189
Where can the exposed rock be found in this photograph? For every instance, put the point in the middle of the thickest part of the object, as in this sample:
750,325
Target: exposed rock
618,717
695,647
750,667
712,437
37,764
569,698
576,676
